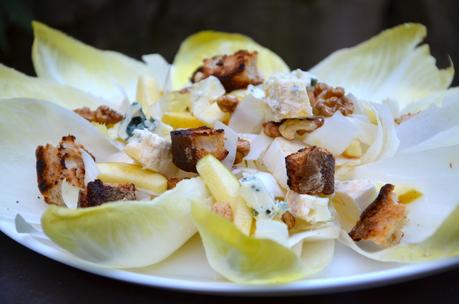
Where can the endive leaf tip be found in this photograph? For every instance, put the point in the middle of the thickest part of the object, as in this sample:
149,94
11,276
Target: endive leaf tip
418,28
407,32
216,34
40,28
36,25
447,74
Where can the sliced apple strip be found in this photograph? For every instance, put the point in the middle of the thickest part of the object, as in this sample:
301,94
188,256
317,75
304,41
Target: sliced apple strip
120,173
184,120
224,187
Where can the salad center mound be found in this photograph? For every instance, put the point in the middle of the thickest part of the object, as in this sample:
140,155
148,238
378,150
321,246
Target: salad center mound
271,166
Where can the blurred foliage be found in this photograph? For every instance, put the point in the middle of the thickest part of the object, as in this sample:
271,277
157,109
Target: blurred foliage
14,12
302,32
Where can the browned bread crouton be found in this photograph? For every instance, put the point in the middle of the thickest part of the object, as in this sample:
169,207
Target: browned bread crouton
98,193
190,145
49,174
234,71
102,115
381,222
55,164
311,171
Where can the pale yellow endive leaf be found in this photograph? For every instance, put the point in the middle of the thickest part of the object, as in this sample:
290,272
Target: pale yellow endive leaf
245,259
443,243
389,65
15,84
128,233
66,60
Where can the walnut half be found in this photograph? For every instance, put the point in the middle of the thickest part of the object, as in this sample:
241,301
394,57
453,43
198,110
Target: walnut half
325,100
227,103
223,209
242,150
102,115
271,129
289,128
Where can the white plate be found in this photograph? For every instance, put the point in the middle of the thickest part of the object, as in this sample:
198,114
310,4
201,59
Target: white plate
188,270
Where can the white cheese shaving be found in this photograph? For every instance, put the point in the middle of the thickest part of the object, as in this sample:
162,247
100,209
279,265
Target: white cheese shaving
150,150
312,209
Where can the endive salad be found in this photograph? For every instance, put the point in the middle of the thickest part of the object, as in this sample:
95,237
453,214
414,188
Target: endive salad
120,162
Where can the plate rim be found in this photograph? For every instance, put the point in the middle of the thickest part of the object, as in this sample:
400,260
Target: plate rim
302,287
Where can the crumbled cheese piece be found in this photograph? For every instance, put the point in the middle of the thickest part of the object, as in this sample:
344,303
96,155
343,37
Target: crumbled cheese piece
360,192
150,150
267,178
257,196
351,198
203,100
286,95
312,209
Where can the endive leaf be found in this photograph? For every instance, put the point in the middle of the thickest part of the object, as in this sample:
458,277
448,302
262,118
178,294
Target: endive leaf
389,65
435,127
206,44
25,124
243,259
128,234
434,173
160,68
15,84
66,60
386,142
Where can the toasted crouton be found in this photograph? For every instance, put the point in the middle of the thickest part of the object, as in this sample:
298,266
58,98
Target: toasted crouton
234,71
56,164
98,193
190,145
381,222
311,171
49,174
102,115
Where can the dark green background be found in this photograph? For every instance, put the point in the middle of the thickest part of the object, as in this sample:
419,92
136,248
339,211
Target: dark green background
300,31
